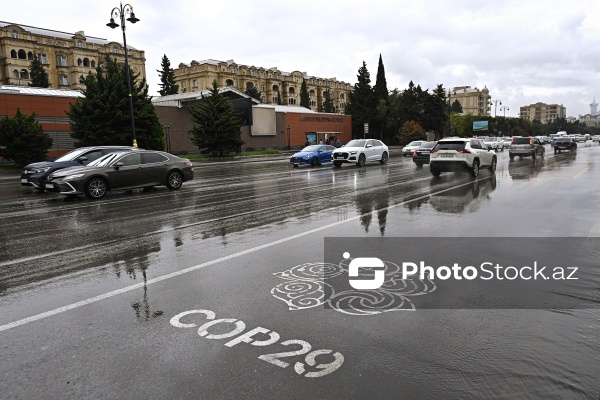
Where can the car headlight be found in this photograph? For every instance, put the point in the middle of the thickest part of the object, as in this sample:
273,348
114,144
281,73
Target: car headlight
40,170
74,176
306,157
353,152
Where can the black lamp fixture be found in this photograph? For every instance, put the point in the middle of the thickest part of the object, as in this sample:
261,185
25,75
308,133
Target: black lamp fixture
120,12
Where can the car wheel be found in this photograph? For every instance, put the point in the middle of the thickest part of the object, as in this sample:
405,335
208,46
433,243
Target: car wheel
361,160
174,180
475,169
555,151
534,154
493,166
314,162
512,157
435,172
419,164
384,158
295,166
95,188
337,164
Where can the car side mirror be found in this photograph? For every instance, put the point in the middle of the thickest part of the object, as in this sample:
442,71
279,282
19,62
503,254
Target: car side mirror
82,159
369,146
118,165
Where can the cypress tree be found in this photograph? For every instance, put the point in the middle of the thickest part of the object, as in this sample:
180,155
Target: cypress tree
361,102
304,98
328,105
380,89
167,78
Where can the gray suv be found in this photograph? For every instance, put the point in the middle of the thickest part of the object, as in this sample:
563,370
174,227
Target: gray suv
526,147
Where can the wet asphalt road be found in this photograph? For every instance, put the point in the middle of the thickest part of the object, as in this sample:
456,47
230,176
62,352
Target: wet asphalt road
89,289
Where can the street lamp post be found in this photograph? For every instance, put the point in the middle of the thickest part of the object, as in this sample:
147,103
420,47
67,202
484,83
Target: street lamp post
120,12
496,102
504,108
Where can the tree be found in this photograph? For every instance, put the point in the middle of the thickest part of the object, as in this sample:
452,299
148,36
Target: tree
328,105
278,98
252,91
167,78
39,77
304,97
216,124
456,107
361,102
103,116
23,140
380,89
411,130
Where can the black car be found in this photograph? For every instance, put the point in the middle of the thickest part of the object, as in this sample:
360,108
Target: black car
564,144
121,171
36,174
421,155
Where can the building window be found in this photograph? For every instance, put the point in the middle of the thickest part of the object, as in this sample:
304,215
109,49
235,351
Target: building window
15,34
252,72
63,80
86,62
15,73
228,83
81,79
93,64
80,44
24,74
195,83
342,96
249,85
13,54
275,88
115,50
262,87
30,56
22,55
183,87
43,59
263,99
79,62
292,90
61,60
311,93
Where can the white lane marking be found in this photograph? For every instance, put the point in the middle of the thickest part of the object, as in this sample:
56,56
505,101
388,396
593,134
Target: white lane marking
95,299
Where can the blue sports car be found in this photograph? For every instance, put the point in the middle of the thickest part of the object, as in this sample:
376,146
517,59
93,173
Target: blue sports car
313,155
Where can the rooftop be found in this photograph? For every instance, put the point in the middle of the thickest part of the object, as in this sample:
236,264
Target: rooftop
11,89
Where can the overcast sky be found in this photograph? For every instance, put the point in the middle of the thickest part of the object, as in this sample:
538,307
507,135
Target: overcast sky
524,51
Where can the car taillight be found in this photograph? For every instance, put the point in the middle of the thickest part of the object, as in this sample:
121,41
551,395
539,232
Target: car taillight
414,153
530,141
512,140
465,151
434,151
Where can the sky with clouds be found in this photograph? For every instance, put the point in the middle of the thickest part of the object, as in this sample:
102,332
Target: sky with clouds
523,51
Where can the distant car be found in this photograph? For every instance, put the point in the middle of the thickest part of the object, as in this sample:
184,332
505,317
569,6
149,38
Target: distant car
360,151
580,138
524,146
596,138
546,139
564,144
35,175
506,143
461,154
312,155
409,149
421,155
120,171
495,143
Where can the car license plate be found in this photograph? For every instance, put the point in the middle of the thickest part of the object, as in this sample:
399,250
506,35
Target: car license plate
24,180
339,156
49,186
447,155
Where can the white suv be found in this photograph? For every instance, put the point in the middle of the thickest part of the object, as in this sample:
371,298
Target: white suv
359,151
461,154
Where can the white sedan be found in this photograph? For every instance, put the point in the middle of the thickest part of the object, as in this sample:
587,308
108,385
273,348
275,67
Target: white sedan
359,151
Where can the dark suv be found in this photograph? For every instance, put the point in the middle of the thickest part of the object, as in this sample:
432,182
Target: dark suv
564,143
35,175
526,147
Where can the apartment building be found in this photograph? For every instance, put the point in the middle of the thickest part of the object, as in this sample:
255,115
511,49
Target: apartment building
543,112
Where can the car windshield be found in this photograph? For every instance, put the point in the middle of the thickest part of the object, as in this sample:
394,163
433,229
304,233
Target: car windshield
104,160
415,143
70,156
356,143
428,145
311,149
450,145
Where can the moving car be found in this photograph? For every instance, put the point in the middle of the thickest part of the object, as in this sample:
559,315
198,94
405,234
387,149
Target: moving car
35,175
506,143
526,147
421,155
122,170
312,155
359,151
564,144
411,147
495,143
461,154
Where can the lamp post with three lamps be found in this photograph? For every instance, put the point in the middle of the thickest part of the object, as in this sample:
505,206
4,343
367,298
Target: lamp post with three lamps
504,108
120,12
495,103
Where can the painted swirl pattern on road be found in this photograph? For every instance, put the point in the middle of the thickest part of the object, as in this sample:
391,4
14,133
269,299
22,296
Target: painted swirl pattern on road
312,285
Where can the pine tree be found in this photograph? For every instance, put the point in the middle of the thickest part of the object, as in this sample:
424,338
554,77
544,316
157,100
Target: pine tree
304,97
23,140
278,98
167,78
381,94
361,102
328,105
380,89
103,116
456,107
253,92
39,77
216,124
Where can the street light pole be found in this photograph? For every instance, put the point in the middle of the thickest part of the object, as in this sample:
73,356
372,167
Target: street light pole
504,108
496,102
120,12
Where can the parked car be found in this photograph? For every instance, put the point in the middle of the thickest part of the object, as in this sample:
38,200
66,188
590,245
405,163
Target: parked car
495,143
35,175
409,149
421,155
564,144
461,154
122,170
526,147
312,155
359,151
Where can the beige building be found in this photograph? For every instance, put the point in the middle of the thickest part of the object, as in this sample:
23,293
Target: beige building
67,57
472,101
543,112
199,75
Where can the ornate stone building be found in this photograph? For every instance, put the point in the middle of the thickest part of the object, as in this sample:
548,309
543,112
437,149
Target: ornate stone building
472,101
199,75
67,57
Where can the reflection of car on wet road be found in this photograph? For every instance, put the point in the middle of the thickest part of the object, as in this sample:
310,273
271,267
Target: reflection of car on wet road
461,154
564,144
411,147
526,147
465,198
421,155
35,175
312,155
120,171
360,151
525,169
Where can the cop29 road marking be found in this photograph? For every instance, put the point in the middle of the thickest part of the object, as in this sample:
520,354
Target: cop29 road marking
126,289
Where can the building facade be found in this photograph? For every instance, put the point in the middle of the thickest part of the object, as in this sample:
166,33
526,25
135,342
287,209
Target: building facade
272,83
66,57
472,101
543,112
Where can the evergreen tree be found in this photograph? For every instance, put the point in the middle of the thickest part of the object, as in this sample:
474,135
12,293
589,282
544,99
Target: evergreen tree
103,116
435,113
328,105
456,107
216,124
361,102
39,77
167,78
304,97
23,140
278,98
252,91
381,94
380,88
